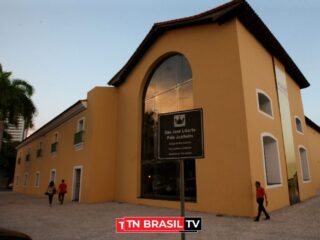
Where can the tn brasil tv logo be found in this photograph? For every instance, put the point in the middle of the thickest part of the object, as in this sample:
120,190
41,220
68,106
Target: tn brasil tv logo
158,224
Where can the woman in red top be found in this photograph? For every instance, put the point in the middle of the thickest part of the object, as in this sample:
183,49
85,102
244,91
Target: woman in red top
62,191
261,195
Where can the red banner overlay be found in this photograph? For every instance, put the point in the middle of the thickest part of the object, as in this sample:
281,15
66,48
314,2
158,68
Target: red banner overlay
158,224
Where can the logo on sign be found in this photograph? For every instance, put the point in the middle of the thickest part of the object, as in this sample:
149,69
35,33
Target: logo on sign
158,224
179,120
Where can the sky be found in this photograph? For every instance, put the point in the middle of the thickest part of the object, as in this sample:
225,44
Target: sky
65,48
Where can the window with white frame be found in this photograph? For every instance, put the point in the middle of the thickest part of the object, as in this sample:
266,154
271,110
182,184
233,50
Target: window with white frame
304,164
37,179
26,179
298,124
54,144
271,160
264,103
78,136
80,125
56,137
28,155
39,150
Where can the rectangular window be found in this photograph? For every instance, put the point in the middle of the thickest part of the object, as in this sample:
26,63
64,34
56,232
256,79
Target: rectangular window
56,137
54,145
39,150
78,136
37,179
80,125
28,155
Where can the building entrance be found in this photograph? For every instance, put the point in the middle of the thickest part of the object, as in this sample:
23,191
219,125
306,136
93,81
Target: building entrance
76,184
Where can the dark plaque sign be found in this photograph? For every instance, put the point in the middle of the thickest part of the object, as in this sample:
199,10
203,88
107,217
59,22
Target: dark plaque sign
181,135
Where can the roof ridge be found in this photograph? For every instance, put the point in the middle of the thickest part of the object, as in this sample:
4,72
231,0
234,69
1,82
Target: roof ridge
239,9
42,130
202,14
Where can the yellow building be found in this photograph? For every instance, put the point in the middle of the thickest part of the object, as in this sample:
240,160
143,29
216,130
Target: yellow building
225,61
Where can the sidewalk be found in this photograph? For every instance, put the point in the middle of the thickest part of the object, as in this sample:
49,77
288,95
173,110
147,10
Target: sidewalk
73,221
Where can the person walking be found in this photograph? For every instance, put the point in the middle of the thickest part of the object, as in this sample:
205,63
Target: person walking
62,191
51,190
261,195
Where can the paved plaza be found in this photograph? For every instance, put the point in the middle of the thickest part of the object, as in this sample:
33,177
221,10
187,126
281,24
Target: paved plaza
73,221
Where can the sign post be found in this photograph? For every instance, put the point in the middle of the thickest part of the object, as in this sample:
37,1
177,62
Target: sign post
181,137
182,207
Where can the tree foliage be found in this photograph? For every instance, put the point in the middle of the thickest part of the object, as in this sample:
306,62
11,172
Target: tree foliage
15,101
8,157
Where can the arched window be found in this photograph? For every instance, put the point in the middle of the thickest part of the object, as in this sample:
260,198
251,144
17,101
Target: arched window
271,160
304,164
298,124
169,89
264,104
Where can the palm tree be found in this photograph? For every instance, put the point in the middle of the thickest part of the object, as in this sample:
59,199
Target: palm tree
15,101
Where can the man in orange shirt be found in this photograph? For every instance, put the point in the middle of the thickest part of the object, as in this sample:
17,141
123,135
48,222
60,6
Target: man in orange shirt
261,195
62,191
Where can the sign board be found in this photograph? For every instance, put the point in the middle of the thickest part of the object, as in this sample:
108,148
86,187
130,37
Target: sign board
181,135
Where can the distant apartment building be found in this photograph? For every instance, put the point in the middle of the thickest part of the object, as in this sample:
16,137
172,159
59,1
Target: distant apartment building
17,132
225,61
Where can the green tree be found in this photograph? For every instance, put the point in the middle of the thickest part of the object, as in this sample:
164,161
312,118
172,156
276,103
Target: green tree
8,157
15,101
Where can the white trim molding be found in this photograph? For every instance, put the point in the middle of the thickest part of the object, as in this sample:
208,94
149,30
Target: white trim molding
266,134
297,127
307,164
73,181
37,180
259,91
